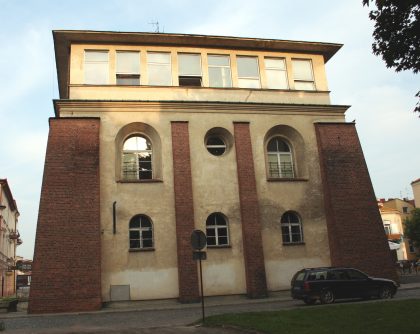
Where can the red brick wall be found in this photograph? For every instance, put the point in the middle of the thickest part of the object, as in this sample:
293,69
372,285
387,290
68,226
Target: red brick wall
66,274
184,213
251,226
355,230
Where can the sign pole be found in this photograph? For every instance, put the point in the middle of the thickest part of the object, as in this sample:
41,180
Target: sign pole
202,292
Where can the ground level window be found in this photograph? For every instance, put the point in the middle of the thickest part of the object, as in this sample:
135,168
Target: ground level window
140,232
217,230
291,228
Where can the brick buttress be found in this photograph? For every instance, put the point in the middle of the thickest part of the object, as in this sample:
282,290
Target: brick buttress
184,213
355,231
250,217
66,274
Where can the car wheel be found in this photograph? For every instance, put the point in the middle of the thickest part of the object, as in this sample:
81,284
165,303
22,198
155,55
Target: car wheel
327,297
385,292
309,301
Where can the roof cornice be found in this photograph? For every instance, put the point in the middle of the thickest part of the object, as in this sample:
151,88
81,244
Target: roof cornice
195,106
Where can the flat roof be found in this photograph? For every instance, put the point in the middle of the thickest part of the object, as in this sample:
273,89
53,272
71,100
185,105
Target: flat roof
64,38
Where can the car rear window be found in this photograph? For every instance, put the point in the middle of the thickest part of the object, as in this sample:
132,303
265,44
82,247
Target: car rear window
300,276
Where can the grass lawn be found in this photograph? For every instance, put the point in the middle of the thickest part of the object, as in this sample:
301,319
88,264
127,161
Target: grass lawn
396,317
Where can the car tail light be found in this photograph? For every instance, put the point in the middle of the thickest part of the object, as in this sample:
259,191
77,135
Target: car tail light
306,286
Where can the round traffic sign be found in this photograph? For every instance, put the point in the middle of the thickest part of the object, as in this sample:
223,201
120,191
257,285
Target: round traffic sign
198,240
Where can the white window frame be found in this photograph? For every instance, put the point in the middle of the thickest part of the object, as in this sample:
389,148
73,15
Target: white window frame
387,227
86,64
216,227
190,75
276,70
127,74
279,154
220,67
302,79
150,63
137,154
141,229
256,79
289,226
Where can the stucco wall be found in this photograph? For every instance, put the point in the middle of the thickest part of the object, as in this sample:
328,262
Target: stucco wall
153,274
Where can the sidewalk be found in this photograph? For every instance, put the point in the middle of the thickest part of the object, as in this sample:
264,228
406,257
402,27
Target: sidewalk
173,304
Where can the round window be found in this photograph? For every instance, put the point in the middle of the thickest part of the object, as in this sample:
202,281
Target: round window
215,145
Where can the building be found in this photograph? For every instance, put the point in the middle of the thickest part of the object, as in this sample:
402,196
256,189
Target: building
394,212
9,239
156,134
415,185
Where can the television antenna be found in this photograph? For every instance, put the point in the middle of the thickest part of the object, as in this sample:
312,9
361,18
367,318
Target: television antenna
156,25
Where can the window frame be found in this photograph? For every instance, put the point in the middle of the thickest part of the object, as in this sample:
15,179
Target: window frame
217,227
279,154
137,154
169,65
304,80
131,75
256,79
289,224
188,76
276,69
220,67
141,229
86,64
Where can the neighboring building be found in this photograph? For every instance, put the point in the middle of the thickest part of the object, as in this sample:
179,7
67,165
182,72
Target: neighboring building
415,185
9,239
156,135
23,277
394,212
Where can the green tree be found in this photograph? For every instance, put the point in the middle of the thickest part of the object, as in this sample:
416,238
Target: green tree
397,34
412,227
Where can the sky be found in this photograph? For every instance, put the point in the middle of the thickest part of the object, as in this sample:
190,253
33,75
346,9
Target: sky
381,100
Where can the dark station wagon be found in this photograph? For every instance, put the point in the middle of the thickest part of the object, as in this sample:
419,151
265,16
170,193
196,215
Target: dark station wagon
329,284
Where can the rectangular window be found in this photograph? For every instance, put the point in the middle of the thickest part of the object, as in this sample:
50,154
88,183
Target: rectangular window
303,74
189,69
96,67
248,73
275,70
387,228
128,68
219,71
159,68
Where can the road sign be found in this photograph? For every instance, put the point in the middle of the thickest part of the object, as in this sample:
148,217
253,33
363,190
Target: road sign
199,255
198,240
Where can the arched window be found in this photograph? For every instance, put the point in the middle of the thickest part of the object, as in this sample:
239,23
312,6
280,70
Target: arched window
291,228
217,230
137,159
280,160
140,232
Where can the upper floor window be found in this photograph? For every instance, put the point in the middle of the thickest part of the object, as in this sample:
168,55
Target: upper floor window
140,232
137,159
217,230
248,73
96,67
159,68
387,227
189,71
280,160
128,68
219,71
275,70
303,74
291,228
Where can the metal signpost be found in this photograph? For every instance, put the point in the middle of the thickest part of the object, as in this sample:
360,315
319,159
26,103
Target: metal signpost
198,242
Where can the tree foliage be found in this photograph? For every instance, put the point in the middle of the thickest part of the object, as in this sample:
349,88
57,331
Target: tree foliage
412,227
397,34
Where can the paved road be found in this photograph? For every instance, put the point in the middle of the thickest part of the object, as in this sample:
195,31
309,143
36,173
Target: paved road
136,321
